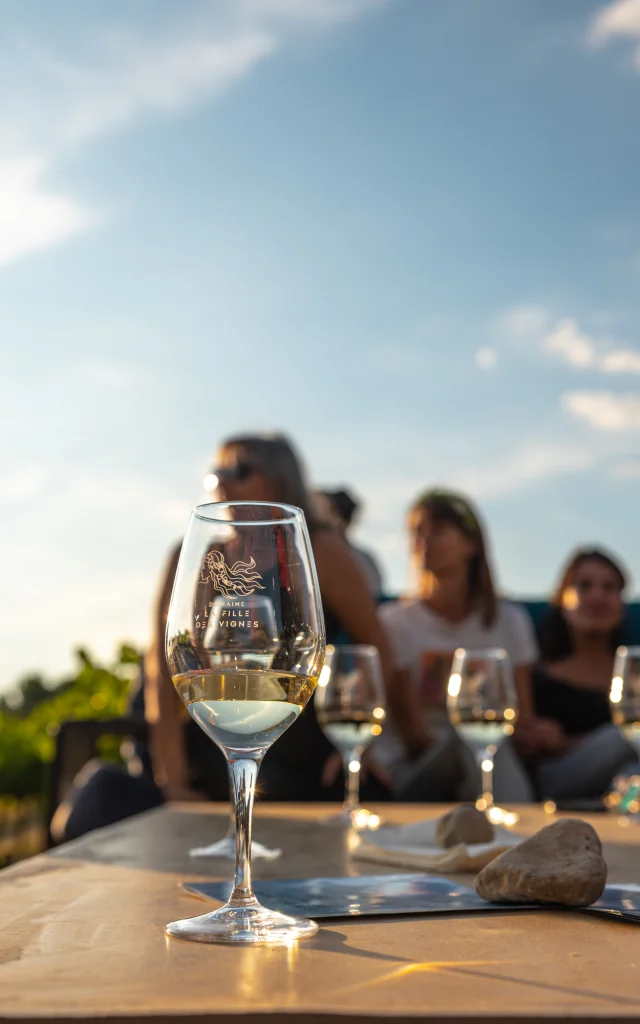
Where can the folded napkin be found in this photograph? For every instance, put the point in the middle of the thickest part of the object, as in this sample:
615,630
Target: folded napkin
414,846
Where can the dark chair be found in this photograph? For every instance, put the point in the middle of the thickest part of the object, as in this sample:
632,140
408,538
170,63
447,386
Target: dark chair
77,743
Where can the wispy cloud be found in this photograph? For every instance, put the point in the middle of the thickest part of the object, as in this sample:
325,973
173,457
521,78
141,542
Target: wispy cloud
527,465
617,20
53,101
628,470
583,351
604,410
524,322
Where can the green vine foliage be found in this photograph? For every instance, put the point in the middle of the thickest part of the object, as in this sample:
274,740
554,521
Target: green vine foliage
31,716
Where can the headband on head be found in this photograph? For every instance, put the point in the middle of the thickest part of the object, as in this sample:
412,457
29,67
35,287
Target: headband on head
458,505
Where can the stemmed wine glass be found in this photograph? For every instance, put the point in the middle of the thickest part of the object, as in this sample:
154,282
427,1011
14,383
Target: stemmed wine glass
350,710
624,700
245,681
482,705
221,633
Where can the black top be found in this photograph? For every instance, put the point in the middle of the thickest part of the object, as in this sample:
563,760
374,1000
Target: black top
577,709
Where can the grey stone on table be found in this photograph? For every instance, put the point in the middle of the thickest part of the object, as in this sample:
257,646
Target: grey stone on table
562,864
464,824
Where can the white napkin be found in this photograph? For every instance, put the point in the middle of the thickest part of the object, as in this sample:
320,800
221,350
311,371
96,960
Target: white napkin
415,846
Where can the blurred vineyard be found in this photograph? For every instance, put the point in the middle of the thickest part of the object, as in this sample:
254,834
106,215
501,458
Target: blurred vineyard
30,718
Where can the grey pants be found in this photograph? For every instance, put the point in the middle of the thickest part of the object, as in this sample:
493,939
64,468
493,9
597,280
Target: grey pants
448,770
588,770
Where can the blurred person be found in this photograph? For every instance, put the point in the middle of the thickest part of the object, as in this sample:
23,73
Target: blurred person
456,605
578,639
186,765
266,468
342,511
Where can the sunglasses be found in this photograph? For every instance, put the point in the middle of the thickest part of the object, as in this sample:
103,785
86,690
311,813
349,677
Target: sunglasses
241,471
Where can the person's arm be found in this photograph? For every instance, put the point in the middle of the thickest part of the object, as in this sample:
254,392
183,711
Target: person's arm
522,680
345,591
162,704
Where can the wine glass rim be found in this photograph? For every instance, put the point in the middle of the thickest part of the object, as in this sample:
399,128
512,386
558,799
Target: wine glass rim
207,513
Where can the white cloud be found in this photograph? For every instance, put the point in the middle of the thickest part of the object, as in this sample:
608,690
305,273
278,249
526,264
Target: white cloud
31,216
619,19
51,102
582,351
485,358
604,410
567,341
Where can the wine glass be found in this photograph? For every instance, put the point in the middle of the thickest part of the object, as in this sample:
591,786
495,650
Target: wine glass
482,705
624,700
350,710
221,633
245,677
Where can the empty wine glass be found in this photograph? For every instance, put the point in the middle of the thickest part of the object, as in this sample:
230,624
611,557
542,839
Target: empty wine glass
350,711
245,671
482,705
624,700
223,633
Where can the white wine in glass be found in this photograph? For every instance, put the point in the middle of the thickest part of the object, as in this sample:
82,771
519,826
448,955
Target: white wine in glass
245,668
262,635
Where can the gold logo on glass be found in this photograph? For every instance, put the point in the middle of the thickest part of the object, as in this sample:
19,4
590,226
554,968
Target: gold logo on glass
239,580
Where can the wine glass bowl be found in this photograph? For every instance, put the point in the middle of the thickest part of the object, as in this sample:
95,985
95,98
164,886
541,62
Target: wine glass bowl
482,707
624,701
245,647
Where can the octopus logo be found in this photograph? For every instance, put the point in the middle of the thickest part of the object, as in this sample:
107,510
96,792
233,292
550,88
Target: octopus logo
238,581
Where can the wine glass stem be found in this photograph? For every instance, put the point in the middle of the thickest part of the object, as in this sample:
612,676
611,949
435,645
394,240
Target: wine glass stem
351,781
485,763
243,773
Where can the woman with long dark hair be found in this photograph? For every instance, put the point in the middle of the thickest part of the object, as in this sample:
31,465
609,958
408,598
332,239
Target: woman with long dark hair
455,606
267,468
578,639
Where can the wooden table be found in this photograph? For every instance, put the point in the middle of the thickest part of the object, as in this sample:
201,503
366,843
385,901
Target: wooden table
81,937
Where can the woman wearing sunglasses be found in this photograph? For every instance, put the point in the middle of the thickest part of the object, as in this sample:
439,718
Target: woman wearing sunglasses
266,468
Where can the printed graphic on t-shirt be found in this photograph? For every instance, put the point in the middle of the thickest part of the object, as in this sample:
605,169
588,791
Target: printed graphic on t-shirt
433,676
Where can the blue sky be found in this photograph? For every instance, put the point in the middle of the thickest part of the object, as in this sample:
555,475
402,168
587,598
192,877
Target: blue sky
405,231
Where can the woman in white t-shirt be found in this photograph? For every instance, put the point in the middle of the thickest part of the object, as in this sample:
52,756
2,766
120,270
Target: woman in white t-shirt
456,606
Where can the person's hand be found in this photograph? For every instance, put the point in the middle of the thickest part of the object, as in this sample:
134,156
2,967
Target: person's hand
533,736
183,794
551,736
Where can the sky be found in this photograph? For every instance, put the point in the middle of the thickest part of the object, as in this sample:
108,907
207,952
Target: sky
406,232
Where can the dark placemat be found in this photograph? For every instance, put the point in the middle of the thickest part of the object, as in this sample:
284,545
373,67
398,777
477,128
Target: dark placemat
358,896
370,895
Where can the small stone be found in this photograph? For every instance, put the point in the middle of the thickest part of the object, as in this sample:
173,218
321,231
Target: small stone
464,824
561,863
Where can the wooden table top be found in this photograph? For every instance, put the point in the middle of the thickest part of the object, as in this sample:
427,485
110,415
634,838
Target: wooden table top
81,937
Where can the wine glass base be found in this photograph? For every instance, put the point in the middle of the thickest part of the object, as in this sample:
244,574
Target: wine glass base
243,926
226,848
359,818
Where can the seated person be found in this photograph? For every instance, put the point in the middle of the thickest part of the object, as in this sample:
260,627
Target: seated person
578,640
456,606
186,764
341,509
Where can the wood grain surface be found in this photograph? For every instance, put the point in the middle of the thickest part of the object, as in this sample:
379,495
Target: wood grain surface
81,937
